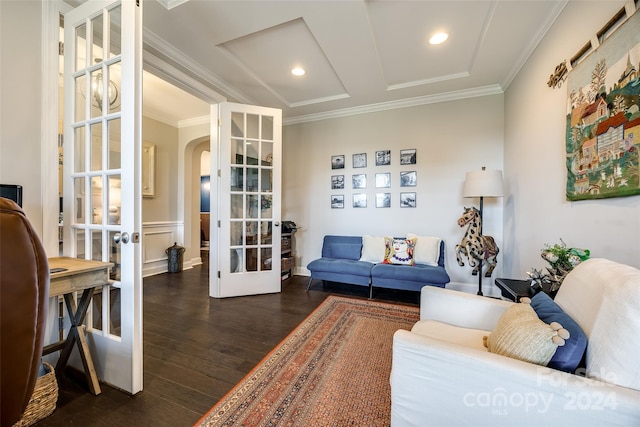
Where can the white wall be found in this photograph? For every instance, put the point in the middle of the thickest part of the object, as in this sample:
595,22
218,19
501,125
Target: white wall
451,138
20,104
536,211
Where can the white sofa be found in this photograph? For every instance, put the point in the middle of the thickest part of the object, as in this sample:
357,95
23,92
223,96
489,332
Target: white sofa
443,375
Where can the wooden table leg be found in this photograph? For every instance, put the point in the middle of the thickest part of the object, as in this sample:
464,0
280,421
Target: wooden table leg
77,334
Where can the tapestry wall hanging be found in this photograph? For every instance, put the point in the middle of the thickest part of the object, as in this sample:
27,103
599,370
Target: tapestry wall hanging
603,118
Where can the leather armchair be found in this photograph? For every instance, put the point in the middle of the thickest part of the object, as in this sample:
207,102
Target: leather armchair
24,294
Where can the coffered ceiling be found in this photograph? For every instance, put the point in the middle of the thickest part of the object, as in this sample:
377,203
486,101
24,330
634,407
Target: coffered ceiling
359,55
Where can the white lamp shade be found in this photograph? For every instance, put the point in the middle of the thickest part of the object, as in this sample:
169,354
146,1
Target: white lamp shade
483,183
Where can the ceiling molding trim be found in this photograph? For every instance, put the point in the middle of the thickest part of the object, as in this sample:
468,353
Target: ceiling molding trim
483,35
160,118
253,75
392,105
428,81
170,4
171,74
194,121
154,41
320,100
543,29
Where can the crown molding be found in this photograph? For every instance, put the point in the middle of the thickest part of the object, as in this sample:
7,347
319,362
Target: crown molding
170,4
392,105
157,43
533,44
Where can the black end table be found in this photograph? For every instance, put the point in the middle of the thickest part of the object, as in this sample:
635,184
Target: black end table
515,289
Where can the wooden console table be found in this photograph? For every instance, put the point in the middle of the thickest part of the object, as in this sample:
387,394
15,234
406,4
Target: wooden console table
70,275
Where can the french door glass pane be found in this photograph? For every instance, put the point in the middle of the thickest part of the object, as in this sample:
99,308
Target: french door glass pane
114,256
81,46
115,27
114,200
252,206
97,90
96,311
266,259
78,151
79,200
236,206
252,179
80,91
113,133
115,319
97,38
236,233
80,243
253,123
96,245
267,128
96,146
237,125
113,87
96,200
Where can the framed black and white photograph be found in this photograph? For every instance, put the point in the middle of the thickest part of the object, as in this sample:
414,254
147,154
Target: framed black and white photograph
359,181
360,200
337,162
383,180
408,179
383,158
337,201
408,157
383,200
337,182
407,200
360,160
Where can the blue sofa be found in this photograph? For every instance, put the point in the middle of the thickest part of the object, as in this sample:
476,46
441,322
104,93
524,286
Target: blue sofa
340,262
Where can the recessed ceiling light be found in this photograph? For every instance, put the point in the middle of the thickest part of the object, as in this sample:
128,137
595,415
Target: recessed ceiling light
298,71
438,38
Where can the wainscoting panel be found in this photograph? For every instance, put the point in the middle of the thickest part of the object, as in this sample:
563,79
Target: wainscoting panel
156,238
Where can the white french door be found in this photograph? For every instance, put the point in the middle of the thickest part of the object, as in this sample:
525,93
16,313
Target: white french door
102,192
249,164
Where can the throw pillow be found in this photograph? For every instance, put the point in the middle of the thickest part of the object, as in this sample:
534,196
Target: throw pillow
568,357
521,335
427,249
399,251
373,249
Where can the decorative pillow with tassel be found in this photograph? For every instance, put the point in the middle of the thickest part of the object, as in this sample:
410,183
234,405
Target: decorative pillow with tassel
521,335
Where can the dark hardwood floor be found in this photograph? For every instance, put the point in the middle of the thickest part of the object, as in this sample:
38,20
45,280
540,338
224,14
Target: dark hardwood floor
196,348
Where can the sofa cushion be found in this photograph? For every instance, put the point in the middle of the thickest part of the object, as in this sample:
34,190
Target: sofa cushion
343,266
399,251
373,249
419,273
345,250
567,357
427,250
521,335
467,337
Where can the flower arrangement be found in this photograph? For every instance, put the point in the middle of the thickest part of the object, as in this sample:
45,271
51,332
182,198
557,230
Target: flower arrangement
559,256
562,259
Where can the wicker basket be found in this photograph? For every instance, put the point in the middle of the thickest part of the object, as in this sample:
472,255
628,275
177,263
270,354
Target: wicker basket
43,400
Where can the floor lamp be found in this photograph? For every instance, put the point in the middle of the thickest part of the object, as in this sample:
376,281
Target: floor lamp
483,183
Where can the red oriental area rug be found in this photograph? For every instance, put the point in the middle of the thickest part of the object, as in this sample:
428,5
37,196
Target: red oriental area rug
332,370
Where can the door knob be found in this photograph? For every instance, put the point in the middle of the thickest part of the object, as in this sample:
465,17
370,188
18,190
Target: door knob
121,237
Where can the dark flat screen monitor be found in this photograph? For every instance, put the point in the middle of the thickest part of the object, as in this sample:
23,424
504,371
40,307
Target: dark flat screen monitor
12,192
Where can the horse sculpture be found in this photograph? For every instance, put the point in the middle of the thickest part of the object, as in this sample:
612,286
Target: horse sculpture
475,246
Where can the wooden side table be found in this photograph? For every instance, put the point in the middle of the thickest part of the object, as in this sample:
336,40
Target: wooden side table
70,275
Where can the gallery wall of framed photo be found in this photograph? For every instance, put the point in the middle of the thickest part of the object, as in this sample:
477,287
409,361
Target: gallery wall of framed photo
354,176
